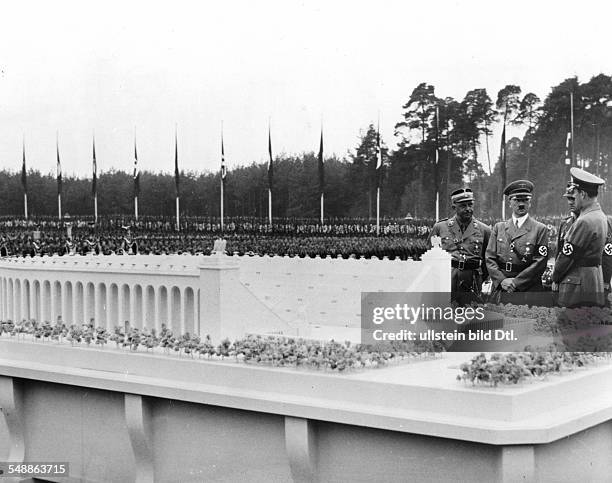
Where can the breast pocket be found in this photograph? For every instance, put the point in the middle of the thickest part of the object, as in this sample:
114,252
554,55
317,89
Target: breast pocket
502,246
525,249
571,280
448,243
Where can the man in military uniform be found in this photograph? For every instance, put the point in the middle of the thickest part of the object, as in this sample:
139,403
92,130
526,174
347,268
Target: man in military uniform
606,261
518,250
606,256
578,273
465,238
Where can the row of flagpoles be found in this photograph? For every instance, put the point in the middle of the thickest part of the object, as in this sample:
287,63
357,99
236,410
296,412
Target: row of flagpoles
569,157
223,175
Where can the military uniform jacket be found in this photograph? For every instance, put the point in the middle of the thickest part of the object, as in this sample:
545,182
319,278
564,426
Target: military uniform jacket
519,253
577,268
563,229
606,259
584,242
468,246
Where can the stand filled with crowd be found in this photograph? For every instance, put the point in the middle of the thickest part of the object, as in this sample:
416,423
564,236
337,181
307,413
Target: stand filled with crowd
344,238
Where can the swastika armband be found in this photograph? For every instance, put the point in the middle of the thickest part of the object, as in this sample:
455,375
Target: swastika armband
608,249
568,249
543,250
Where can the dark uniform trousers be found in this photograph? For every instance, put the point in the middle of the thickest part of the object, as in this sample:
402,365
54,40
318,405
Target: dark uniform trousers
521,254
467,249
578,267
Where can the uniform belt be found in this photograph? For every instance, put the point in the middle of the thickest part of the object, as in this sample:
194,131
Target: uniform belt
465,265
510,267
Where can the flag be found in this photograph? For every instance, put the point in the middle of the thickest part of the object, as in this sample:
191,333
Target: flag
59,169
437,158
568,156
94,179
378,152
379,161
502,156
136,172
223,169
437,136
321,167
24,180
270,165
176,168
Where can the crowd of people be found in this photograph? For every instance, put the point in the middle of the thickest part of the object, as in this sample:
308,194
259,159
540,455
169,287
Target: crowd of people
339,237
236,225
290,237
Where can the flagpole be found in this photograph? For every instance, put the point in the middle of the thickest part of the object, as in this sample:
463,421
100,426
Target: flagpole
24,182
221,203
94,178
222,178
377,211
436,166
572,128
59,179
176,178
377,174
321,169
503,165
270,172
322,206
270,206
136,178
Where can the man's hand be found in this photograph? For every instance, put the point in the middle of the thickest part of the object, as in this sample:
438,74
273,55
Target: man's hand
554,287
507,285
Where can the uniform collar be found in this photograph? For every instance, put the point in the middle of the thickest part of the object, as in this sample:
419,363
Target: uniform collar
594,207
521,219
453,223
515,232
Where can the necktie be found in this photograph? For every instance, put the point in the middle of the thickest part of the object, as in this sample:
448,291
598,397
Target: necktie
516,224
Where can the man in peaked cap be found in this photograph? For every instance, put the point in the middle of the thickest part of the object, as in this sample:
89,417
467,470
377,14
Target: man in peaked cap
606,256
465,238
517,251
578,272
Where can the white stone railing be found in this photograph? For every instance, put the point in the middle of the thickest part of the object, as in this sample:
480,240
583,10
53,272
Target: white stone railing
109,290
217,295
185,293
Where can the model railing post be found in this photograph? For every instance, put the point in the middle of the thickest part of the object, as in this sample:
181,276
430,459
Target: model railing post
439,276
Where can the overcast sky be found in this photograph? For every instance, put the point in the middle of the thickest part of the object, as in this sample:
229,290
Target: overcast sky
112,67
